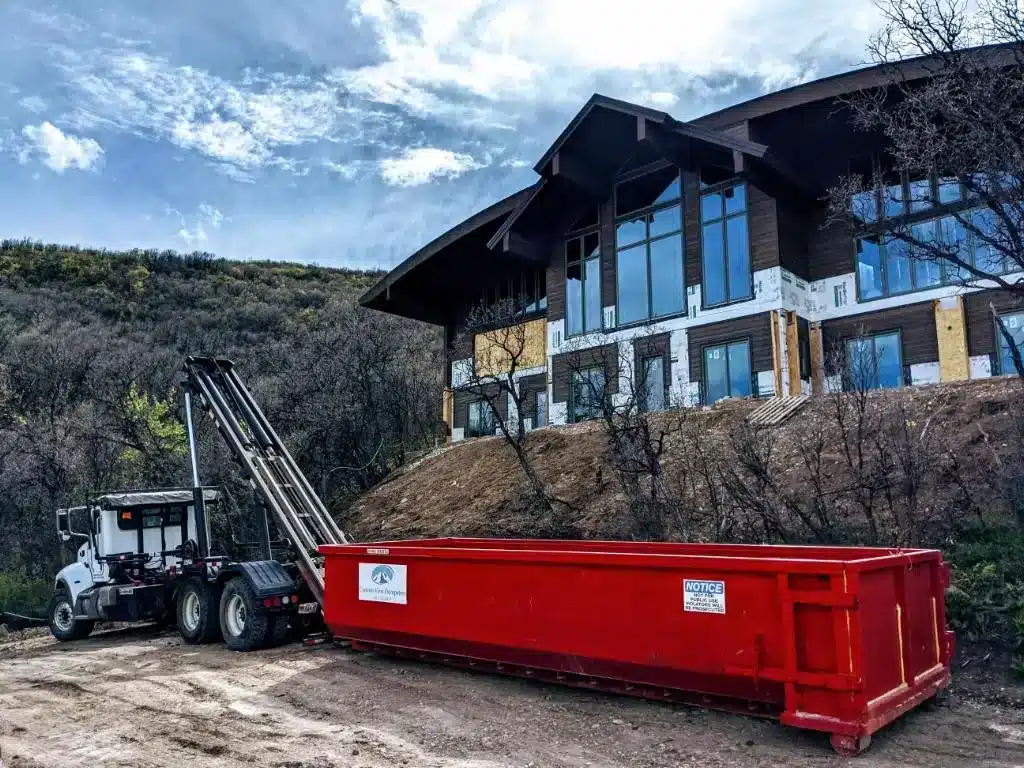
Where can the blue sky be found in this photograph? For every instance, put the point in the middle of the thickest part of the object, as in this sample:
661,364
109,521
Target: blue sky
348,133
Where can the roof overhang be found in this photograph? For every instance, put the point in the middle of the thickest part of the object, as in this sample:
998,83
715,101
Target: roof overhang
416,287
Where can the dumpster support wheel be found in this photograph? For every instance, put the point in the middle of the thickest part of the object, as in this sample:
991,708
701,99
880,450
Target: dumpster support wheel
849,746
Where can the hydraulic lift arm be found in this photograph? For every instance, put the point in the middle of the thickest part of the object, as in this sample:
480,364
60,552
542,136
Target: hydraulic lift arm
298,511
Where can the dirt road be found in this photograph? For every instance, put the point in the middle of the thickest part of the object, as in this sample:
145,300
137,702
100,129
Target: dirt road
141,698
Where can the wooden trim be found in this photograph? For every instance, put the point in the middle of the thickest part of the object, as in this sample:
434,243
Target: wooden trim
793,352
776,352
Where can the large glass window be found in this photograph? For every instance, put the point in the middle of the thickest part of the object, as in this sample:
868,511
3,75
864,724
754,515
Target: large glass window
481,419
725,246
583,284
875,362
652,385
1015,325
727,371
649,247
541,410
586,399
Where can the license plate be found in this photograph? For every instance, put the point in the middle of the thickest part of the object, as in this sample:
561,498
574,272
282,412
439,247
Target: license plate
309,607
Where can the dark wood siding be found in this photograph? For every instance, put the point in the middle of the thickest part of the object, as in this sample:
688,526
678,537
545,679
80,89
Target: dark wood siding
916,324
653,346
461,400
556,280
691,227
981,329
529,386
829,248
764,229
607,254
563,365
757,328
792,239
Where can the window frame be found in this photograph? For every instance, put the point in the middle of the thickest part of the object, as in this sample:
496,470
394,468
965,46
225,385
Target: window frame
998,338
483,406
898,332
749,341
646,242
718,188
573,418
582,236
665,373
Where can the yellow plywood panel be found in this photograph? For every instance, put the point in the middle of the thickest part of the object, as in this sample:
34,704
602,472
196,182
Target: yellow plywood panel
954,364
525,344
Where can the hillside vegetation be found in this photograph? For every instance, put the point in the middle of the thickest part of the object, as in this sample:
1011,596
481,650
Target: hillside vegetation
91,345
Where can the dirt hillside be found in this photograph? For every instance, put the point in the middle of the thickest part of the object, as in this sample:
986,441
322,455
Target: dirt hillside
475,488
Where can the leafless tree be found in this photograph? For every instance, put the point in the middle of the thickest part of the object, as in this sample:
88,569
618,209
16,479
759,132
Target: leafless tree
958,114
495,348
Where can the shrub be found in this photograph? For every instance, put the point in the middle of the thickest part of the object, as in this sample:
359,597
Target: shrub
23,595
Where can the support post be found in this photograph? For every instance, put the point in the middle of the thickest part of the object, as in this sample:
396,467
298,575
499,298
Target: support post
198,502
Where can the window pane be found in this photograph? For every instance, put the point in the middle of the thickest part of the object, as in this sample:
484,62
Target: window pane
869,268
863,368
573,250
666,221
653,384
865,205
1015,325
716,374
735,199
892,200
711,207
588,388
530,292
474,419
927,271
574,299
887,355
739,369
667,284
987,258
897,266
954,237
739,258
660,186
592,290
949,190
632,231
591,245
541,419
920,195
631,274
714,264
542,290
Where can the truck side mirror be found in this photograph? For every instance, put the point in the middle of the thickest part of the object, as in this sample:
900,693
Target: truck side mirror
63,524
65,536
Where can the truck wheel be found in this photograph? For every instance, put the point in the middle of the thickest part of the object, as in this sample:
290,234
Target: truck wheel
197,612
244,629
277,633
63,624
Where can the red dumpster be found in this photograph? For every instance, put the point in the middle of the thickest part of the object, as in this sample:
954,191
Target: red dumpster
836,639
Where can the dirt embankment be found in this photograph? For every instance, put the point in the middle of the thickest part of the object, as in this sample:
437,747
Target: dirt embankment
141,699
474,488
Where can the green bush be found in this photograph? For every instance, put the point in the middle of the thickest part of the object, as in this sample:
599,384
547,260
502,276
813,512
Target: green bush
23,595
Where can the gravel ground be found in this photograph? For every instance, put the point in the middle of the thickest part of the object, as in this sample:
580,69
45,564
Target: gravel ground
141,698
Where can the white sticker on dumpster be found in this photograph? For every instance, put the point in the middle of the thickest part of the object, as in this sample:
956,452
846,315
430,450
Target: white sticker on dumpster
382,583
703,596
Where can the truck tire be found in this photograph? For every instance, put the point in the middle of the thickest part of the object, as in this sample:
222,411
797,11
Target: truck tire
197,612
277,633
63,624
244,629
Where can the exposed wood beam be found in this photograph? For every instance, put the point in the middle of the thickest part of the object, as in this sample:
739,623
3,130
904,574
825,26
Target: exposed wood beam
641,128
578,173
524,248
738,161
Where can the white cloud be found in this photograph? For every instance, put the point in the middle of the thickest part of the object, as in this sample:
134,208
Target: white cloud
193,230
33,104
660,99
424,164
59,151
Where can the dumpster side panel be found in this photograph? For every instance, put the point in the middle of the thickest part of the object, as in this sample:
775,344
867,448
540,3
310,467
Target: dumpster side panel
880,638
922,619
578,619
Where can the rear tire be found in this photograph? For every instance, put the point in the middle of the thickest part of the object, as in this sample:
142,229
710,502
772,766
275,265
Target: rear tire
63,624
278,633
244,629
197,612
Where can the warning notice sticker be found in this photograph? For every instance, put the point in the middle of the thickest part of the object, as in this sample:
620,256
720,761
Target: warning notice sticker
703,596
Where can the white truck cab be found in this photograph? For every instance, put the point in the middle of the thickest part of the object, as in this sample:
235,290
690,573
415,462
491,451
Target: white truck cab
131,542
